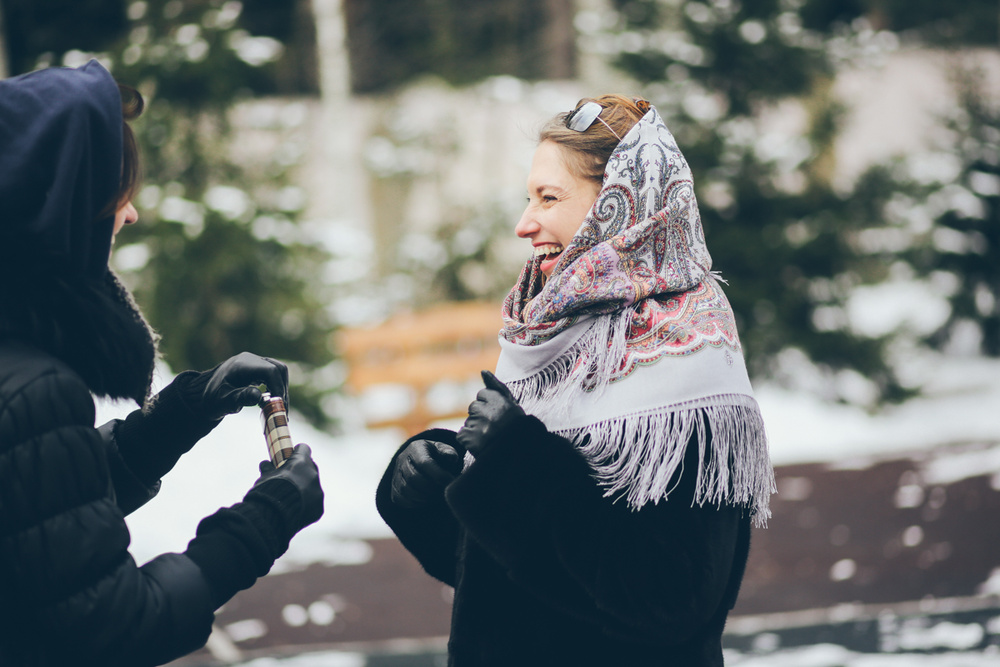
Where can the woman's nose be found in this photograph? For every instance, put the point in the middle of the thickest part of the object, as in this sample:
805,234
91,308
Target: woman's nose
131,214
527,225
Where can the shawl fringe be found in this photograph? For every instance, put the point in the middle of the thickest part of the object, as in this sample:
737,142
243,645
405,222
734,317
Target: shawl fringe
638,455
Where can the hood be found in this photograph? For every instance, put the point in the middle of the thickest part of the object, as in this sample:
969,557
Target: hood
60,165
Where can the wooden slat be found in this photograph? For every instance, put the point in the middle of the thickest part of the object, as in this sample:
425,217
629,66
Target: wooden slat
421,369
450,342
441,325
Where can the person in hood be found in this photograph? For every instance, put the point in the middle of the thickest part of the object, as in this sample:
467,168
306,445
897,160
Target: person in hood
71,594
596,506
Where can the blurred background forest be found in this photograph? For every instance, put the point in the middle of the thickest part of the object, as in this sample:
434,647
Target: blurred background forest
316,167
301,161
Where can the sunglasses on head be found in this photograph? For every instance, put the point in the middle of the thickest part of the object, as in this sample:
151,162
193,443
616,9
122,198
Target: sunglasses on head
581,118
584,116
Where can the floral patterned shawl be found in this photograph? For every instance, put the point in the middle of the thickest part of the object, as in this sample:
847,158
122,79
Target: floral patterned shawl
630,350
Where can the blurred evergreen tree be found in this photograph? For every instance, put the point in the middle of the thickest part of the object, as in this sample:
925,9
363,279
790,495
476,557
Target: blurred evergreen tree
779,230
218,261
470,265
794,247
39,33
953,216
227,268
956,23
393,42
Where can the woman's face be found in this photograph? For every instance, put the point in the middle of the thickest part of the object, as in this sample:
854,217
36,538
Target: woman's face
558,201
126,215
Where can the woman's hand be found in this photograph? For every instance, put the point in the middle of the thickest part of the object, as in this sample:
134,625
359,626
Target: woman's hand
422,471
493,409
300,470
234,384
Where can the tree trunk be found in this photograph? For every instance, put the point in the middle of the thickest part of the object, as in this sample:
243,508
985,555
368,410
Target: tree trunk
331,49
337,177
560,39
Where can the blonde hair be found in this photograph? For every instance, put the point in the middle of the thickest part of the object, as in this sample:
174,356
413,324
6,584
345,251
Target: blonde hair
589,151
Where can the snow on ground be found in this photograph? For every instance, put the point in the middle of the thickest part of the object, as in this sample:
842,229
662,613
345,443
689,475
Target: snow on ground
960,402
960,405
324,659
820,655
830,655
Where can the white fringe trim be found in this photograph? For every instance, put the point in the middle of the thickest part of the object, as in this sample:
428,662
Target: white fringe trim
636,455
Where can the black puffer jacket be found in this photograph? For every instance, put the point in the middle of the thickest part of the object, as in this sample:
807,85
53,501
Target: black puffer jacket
548,572
70,593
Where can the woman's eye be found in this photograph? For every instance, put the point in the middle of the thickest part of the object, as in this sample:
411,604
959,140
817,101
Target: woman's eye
548,198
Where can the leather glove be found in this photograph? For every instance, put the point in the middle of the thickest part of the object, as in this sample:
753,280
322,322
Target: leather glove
233,385
422,471
493,409
305,506
238,544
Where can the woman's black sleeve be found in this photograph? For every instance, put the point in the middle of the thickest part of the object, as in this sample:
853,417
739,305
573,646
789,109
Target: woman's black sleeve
429,532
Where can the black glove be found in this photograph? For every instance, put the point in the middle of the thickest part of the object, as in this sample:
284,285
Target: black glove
238,544
300,508
493,409
233,385
422,471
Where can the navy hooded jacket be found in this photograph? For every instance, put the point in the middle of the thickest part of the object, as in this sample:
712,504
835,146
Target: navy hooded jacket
71,594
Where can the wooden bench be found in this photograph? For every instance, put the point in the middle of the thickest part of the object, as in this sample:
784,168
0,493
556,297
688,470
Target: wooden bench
450,342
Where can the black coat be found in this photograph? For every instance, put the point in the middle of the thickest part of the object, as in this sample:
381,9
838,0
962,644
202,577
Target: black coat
70,593
547,571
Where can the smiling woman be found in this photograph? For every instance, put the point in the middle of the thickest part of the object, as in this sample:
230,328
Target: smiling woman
614,469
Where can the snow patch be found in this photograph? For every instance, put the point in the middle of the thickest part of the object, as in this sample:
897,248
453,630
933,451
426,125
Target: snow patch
991,587
956,636
829,655
223,466
251,628
962,465
324,659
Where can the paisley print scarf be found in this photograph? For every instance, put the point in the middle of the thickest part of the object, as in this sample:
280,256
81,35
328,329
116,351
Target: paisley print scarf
630,350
